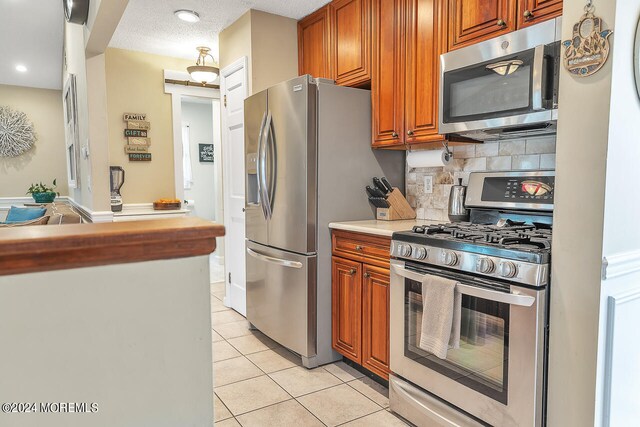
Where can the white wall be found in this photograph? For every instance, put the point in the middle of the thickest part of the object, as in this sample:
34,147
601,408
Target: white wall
134,338
198,116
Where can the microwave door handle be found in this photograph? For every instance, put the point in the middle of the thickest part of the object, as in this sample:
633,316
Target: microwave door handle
537,85
513,298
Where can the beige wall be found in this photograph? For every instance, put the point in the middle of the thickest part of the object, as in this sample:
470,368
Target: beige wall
270,44
46,160
235,42
135,84
274,49
581,157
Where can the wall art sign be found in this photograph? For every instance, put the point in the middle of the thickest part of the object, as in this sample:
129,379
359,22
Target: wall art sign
134,116
206,153
135,149
140,157
135,133
138,124
589,48
17,133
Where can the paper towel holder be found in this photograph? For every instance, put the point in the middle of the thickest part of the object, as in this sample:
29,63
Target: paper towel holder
448,155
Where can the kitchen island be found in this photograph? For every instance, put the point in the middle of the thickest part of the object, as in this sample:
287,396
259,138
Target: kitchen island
107,324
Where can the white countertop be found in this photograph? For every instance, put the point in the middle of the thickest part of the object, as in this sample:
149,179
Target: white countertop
380,228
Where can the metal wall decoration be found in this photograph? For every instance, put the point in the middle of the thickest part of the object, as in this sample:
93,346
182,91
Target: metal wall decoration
588,50
17,134
136,132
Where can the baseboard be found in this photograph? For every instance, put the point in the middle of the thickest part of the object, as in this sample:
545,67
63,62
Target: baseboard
89,215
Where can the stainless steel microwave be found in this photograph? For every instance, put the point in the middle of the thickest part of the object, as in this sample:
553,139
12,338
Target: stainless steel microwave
502,88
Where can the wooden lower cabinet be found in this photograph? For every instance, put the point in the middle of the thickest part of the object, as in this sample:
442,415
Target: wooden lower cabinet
360,302
346,307
375,320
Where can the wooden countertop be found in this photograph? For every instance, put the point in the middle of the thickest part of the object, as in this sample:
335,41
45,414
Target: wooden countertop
57,247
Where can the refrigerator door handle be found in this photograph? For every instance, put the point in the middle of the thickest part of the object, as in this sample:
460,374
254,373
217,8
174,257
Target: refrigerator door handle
258,168
274,260
262,168
272,162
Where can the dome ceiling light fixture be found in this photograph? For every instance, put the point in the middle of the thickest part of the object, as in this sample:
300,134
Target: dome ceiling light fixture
190,16
201,72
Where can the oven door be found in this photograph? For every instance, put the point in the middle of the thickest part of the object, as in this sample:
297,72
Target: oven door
497,373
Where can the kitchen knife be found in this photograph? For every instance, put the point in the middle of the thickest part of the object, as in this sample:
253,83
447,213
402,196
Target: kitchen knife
380,186
386,184
375,201
375,192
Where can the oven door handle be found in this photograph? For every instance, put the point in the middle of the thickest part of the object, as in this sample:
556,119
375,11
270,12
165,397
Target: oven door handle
513,298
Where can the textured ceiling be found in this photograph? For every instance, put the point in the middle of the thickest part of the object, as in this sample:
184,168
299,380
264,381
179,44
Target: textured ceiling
150,25
31,34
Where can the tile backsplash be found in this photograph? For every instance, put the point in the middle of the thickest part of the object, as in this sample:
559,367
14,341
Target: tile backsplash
521,154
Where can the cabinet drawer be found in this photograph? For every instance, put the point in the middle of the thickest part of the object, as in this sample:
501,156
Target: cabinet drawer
362,247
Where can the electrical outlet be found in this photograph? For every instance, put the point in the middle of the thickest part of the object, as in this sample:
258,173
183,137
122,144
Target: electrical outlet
428,184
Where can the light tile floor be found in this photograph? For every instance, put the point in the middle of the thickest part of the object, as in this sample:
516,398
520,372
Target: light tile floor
259,383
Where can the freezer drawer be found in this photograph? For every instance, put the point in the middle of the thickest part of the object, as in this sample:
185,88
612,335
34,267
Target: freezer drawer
281,296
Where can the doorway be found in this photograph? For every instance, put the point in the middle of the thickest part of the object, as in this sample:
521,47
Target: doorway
201,167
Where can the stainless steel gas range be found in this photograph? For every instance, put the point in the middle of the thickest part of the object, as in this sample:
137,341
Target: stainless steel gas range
500,261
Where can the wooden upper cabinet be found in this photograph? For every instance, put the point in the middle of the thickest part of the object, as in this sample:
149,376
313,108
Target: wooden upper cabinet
387,80
375,320
531,12
425,41
346,307
472,21
314,44
351,41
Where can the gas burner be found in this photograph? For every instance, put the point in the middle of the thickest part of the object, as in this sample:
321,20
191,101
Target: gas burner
506,234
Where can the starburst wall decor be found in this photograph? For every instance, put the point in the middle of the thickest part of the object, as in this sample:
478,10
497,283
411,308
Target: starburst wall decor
17,134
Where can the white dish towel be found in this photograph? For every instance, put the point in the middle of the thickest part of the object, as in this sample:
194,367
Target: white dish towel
441,310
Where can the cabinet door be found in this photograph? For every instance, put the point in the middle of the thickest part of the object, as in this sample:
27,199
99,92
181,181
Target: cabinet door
346,308
351,41
313,44
531,12
471,21
375,320
387,80
425,41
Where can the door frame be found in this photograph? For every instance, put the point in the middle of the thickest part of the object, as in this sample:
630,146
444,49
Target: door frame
177,91
239,64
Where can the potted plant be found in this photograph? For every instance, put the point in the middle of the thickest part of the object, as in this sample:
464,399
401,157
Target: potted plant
42,193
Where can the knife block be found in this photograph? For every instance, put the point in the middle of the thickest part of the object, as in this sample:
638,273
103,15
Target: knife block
399,208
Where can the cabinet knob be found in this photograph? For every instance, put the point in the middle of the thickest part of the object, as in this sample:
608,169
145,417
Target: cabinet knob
358,248
501,23
410,132
394,134
366,275
352,271
528,14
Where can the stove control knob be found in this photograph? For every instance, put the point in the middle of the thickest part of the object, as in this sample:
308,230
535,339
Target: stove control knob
485,265
405,250
449,258
507,269
420,253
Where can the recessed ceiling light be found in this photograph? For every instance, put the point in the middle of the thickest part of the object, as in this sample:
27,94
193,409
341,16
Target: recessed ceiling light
187,15
21,68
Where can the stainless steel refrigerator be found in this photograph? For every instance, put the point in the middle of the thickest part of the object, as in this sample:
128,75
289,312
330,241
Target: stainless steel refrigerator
308,159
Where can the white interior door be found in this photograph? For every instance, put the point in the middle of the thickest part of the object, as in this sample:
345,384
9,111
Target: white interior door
233,87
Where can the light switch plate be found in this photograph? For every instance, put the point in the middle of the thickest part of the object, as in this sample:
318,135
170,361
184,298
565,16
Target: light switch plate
428,184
